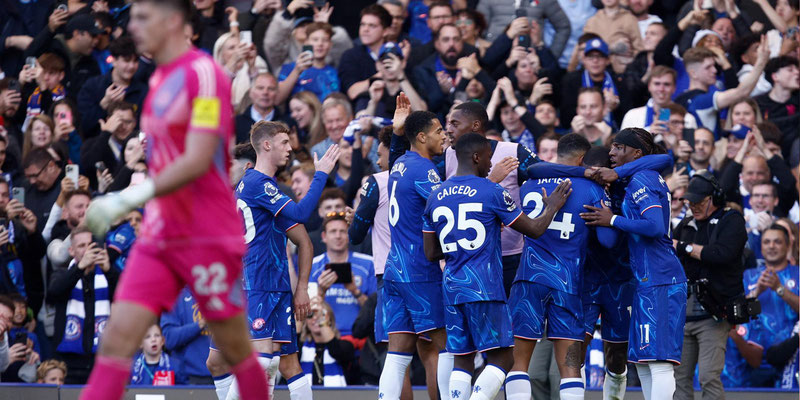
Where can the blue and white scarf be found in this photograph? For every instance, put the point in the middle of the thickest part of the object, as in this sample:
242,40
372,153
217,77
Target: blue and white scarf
332,372
608,83
142,375
73,330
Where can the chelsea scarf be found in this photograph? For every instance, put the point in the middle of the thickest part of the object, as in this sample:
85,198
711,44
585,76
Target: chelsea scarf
73,330
608,83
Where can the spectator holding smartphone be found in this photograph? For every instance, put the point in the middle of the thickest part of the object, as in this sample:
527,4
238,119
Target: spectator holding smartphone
65,134
20,247
24,348
310,72
88,285
6,314
108,146
346,298
100,92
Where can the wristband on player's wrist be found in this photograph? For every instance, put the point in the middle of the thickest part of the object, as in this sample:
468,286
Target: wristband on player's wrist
613,218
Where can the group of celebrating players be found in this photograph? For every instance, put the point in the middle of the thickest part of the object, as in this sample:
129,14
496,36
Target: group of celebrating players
585,252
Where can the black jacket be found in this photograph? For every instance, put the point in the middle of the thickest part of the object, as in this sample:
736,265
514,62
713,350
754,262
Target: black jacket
244,122
93,91
723,236
58,294
781,175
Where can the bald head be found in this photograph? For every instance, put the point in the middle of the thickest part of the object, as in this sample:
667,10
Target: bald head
754,170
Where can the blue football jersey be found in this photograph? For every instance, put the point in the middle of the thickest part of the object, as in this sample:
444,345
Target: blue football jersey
411,181
653,261
266,266
777,319
466,213
121,240
556,258
344,305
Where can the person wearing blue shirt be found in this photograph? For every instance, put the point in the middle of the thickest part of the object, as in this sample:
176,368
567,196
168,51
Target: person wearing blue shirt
658,314
476,313
608,286
345,299
187,338
269,218
548,284
310,72
120,242
775,284
412,285
703,99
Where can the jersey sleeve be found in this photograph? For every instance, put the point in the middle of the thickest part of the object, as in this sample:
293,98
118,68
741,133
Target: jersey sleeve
605,235
643,195
644,199
545,169
285,224
427,220
503,205
653,162
301,211
526,158
365,214
211,110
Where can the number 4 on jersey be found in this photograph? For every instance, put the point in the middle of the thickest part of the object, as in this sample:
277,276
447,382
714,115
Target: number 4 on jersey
565,226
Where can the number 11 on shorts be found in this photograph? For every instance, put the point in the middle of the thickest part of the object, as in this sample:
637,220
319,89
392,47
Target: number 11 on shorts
644,333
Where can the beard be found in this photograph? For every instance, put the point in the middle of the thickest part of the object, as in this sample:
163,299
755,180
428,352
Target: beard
450,59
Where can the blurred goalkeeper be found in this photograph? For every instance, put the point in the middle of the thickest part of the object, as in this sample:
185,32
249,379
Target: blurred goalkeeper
191,234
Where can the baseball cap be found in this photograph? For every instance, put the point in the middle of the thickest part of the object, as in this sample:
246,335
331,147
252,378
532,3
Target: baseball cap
596,45
739,130
300,21
389,48
699,188
703,33
83,23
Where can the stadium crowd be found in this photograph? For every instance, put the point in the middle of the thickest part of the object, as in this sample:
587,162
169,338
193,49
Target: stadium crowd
716,82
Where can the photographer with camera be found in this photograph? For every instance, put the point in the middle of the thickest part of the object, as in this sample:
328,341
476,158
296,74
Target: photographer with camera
709,243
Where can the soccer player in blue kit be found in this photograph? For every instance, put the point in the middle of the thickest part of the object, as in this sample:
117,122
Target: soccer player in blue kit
476,313
608,285
548,284
659,307
269,218
412,291
608,289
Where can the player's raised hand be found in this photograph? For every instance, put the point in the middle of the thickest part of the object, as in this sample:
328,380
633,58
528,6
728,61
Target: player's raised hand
559,196
401,112
597,216
503,168
328,160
